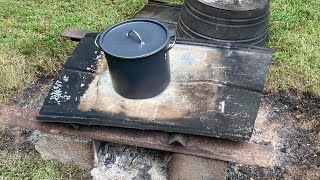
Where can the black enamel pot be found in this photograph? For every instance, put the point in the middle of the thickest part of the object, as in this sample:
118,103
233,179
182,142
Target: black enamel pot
137,56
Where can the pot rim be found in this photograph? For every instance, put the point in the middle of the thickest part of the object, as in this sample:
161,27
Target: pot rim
134,20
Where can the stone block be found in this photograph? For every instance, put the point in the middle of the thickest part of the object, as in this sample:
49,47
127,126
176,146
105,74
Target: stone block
186,167
66,149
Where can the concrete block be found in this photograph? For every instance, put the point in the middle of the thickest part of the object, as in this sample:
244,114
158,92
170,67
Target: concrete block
186,167
66,149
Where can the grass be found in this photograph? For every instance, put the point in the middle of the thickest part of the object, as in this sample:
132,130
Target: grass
295,35
19,159
31,166
30,46
30,30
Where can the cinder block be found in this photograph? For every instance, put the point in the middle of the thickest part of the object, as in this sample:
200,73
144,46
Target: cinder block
66,149
186,167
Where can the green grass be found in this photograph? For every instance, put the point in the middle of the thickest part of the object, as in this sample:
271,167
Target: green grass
31,166
29,31
19,160
295,36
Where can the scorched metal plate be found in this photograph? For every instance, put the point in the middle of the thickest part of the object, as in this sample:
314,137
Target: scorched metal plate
215,91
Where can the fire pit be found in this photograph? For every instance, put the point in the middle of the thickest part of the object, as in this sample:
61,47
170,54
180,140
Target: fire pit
215,90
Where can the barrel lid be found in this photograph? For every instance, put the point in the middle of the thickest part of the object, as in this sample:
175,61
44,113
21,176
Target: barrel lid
236,5
135,38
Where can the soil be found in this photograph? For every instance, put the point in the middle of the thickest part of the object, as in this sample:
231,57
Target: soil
292,127
15,140
289,121
33,95
20,139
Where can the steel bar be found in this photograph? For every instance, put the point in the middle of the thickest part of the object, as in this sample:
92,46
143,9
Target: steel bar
240,152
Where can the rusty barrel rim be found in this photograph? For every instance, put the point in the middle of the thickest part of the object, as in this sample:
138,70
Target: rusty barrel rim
199,20
236,5
184,31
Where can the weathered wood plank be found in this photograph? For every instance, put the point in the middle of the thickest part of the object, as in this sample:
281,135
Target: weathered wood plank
241,152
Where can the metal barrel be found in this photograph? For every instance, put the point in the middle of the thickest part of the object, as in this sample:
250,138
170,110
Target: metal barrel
226,21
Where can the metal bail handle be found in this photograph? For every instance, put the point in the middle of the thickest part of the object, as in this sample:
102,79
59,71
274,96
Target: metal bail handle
95,41
173,43
138,37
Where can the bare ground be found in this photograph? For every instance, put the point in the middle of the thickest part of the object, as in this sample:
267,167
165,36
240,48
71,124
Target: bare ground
289,121
292,126
18,139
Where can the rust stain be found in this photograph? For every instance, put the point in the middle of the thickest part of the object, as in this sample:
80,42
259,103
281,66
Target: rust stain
102,97
185,99
200,64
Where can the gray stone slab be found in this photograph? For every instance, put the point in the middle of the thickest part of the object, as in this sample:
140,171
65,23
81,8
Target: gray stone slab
186,167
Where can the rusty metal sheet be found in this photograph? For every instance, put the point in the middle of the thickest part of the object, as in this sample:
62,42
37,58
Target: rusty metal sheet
240,152
214,91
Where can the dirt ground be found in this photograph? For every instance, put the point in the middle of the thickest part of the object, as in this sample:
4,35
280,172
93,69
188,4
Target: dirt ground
18,139
290,122
292,127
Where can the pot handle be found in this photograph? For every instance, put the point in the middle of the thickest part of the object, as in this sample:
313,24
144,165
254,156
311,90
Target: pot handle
95,41
173,43
136,34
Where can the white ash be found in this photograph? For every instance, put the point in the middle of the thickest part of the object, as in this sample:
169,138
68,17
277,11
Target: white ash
98,57
90,69
92,66
65,78
57,95
117,161
34,137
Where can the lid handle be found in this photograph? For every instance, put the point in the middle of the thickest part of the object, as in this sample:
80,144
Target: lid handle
137,36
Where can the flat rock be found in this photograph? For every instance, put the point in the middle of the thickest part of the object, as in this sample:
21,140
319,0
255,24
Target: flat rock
186,167
66,149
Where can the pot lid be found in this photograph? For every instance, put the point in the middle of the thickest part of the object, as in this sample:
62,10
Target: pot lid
135,38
